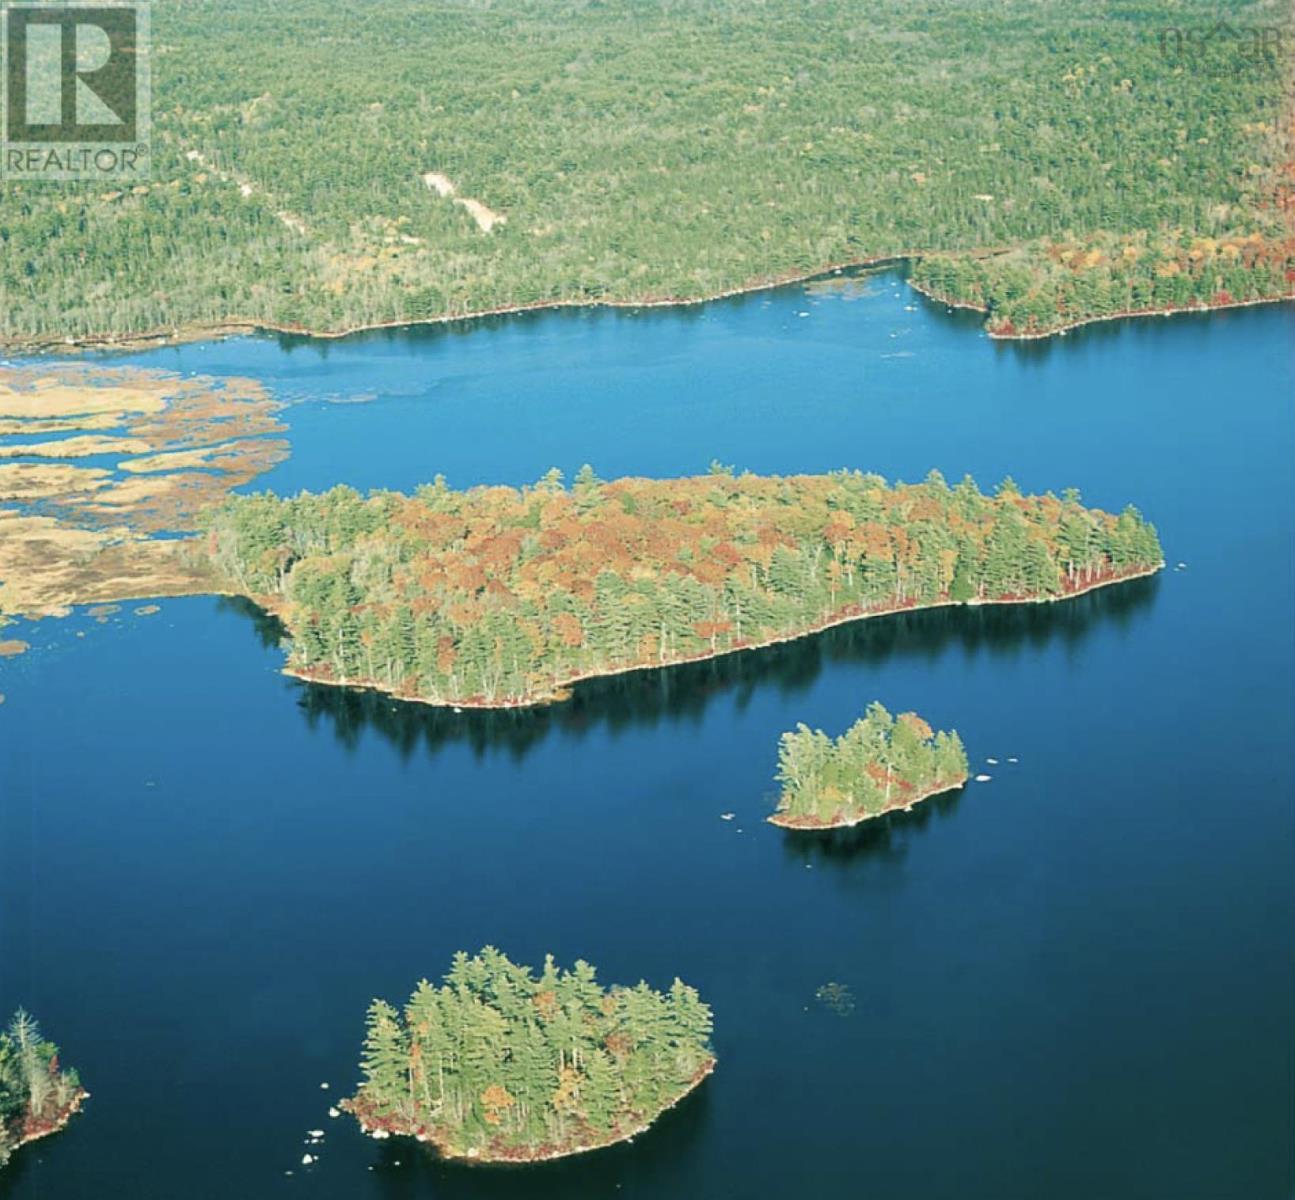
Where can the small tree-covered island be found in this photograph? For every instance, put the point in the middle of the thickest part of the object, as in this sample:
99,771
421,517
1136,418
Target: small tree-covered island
497,596
881,763
499,1065
37,1096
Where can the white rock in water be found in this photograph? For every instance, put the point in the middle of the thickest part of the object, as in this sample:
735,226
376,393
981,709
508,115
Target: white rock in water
983,778
332,1112
307,1159
380,1134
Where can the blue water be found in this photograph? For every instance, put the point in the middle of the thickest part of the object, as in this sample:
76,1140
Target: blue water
1073,981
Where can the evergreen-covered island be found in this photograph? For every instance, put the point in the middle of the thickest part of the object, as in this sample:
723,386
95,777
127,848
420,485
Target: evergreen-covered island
880,764
37,1096
498,1065
497,596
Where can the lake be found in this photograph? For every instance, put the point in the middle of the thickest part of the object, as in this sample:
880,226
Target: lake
1075,980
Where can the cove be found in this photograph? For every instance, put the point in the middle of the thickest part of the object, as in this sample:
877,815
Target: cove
1072,980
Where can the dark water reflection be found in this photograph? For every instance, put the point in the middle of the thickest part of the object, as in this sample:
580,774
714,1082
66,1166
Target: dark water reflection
888,838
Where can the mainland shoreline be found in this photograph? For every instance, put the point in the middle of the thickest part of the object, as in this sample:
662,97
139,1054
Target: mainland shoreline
1034,335
201,331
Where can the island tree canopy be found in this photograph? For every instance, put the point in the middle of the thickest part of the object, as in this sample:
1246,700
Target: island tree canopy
35,1093
498,595
880,763
499,1062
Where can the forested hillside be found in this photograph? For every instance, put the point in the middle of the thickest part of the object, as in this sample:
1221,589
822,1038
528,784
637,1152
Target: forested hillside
879,764
326,166
498,596
499,1064
1050,284
36,1095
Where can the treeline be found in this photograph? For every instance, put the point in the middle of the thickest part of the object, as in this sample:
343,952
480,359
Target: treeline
880,763
499,1063
501,596
36,1094
1054,283
639,150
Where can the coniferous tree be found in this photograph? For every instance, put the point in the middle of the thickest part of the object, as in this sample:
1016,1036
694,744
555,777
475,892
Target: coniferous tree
36,1094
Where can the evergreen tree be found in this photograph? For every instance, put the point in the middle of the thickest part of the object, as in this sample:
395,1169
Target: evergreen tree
34,1091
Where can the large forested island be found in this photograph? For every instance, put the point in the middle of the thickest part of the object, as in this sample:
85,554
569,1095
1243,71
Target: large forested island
325,167
37,1096
500,1065
881,763
497,596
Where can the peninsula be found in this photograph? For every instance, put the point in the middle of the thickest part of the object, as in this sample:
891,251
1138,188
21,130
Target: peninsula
880,764
500,1065
500,597
37,1096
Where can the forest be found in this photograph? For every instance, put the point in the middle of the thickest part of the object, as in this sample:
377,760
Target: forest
323,167
37,1096
498,596
879,764
1052,284
501,1064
